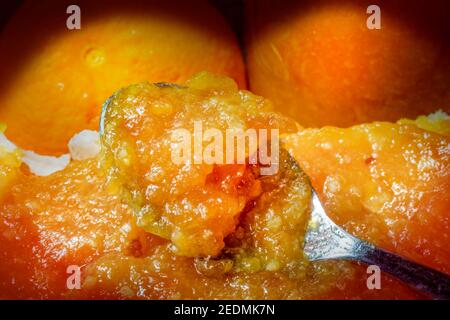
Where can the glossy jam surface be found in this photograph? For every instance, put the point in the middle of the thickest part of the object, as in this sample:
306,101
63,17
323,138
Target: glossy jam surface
91,214
50,223
386,183
262,258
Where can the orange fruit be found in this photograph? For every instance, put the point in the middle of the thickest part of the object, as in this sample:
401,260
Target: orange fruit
319,63
54,80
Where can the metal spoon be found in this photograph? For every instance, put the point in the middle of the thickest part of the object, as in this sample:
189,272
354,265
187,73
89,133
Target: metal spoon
324,240
108,101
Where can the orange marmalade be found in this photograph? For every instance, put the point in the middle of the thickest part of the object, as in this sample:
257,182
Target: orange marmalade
142,227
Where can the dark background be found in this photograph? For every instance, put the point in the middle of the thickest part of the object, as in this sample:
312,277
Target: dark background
232,10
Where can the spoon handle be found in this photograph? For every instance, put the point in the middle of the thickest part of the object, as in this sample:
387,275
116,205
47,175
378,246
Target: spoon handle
324,240
424,279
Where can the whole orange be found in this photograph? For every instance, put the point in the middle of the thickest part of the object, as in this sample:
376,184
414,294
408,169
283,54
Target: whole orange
54,80
320,63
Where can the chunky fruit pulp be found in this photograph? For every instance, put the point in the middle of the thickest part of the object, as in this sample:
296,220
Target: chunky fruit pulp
194,205
92,217
70,218
50,223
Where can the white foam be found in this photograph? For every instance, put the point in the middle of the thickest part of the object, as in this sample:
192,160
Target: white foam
439,115
6,143
44,165
84,145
